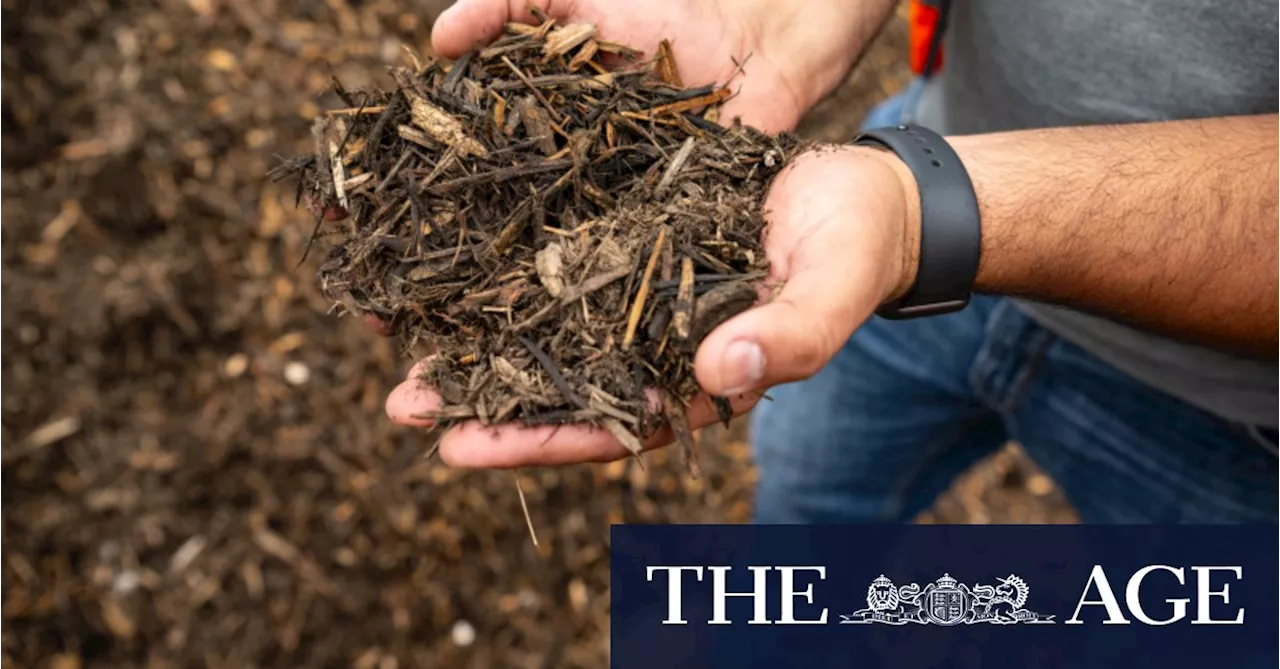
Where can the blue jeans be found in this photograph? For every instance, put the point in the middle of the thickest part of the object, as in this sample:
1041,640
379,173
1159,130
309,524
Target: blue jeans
906,406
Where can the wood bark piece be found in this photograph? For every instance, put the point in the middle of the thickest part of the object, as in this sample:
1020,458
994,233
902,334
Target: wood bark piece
718,305
675,413
562,40
442,127
536,125
682,319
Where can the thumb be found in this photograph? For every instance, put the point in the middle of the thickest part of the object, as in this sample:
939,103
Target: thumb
469,24
789,338
837,249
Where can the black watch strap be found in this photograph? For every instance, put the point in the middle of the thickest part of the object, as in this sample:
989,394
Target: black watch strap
950,225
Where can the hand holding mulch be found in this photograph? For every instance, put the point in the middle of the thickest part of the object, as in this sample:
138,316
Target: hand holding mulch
562,236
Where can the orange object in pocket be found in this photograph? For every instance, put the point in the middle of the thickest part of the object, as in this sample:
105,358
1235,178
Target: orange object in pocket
925,17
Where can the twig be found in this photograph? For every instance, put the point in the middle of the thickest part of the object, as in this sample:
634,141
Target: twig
376,109
624,437
450,83
395,169
601,406
557,379
573,294
315,232
673,168
524,506
499,175
435,447
446,161
379,127
678,421
555,115
638,308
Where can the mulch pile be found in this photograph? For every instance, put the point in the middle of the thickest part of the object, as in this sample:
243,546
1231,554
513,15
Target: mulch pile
196,466
562,235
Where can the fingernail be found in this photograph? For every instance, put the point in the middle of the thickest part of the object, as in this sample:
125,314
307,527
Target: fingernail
741,367
408,400
376,325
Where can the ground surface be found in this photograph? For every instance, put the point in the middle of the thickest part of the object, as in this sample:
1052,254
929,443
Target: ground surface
196,468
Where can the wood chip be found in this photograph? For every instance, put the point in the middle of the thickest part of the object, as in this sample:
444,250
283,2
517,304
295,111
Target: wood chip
443,127
53,432
677,419
536,124
562,40
682,316
549,263
624,437
666,66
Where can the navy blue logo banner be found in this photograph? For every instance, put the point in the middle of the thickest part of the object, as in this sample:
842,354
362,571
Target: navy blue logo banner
944,596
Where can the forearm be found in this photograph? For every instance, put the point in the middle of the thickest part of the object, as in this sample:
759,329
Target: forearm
1170,227
821,39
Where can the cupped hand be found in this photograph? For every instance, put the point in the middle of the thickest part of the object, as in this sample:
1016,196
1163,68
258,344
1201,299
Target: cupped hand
471,444
836,217
708,37
841,239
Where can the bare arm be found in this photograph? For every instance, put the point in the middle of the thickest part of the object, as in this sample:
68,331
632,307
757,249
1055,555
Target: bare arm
1170,226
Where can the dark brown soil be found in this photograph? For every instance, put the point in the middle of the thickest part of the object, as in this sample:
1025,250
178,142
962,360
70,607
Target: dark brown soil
196,467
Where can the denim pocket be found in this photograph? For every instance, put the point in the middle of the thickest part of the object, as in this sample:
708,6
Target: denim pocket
1263,436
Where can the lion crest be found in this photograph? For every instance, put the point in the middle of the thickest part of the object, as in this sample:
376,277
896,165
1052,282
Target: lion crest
882,595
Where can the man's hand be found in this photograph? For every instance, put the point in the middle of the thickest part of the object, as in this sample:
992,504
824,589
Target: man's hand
791,54
842,239
779,60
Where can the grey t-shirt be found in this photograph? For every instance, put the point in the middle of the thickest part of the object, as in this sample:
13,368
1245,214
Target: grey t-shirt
1017,64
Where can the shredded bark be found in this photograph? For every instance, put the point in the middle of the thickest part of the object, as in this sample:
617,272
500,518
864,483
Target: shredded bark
559,234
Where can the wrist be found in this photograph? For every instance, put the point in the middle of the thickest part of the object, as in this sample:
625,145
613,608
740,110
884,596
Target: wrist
947,224
904,226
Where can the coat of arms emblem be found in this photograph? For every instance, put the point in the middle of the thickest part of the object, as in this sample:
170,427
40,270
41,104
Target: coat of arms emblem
947,604
946,601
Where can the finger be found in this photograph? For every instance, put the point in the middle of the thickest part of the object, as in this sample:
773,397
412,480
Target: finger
332,212
473,445
702,412
832,253
761,115
413,398
377,325
470,24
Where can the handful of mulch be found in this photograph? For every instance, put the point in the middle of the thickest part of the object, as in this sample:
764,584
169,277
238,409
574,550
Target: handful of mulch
561,234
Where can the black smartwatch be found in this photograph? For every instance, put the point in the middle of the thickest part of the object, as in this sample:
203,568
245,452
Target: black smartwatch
950,226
